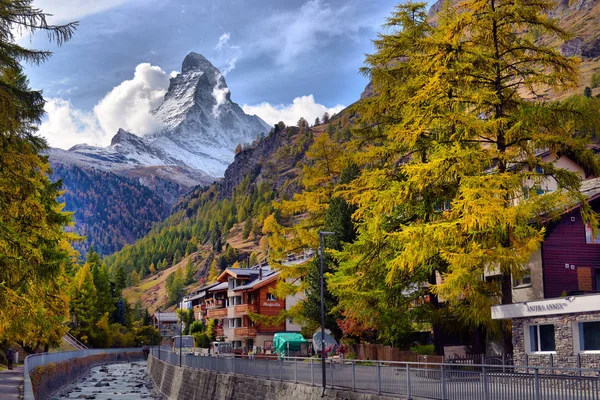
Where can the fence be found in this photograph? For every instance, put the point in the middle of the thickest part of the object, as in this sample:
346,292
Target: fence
36,360
440,381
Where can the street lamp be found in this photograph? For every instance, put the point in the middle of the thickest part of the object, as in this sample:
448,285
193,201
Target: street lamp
159,334
323,369
181,326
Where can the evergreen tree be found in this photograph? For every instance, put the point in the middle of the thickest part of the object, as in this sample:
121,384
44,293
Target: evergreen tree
317,121
35,251
120,279
587,92
325,118
213,271
247,228
189,271
83,304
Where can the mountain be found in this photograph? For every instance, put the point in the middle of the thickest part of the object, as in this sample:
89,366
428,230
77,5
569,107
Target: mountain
200,129
231,211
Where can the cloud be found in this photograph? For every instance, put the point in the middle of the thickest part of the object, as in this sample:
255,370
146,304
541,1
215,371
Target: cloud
70,10
231,52
66,126
304,30
303,106
128,106
223,40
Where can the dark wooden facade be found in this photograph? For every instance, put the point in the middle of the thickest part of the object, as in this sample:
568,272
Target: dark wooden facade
565,245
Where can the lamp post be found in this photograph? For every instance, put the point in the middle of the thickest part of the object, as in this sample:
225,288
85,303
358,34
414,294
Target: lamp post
323,368
159,333
180,327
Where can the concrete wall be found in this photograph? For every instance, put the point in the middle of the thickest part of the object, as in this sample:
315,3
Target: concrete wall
566,353
182,383
49,378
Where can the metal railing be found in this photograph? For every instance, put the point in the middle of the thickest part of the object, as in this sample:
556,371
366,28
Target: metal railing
442,381
35,360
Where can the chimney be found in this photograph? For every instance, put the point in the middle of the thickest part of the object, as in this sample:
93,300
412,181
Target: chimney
259,273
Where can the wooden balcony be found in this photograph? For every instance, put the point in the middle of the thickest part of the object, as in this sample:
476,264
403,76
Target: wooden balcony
217,313
243,309
244,332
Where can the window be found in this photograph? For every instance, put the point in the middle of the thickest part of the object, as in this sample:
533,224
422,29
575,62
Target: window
524,280
541,338
271,297
235,322
588,334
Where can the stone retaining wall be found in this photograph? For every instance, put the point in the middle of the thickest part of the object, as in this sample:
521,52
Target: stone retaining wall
183,383
49,378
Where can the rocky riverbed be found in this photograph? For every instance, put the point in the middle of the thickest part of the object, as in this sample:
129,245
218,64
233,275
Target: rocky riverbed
125,381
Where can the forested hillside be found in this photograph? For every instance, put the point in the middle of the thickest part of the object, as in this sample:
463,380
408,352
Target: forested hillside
228,215
110,210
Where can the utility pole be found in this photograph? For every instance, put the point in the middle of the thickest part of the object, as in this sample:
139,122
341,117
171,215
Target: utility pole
323,367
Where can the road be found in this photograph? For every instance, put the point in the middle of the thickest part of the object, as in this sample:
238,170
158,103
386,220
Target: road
10,381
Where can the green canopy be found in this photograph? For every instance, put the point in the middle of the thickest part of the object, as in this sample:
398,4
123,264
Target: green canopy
290,344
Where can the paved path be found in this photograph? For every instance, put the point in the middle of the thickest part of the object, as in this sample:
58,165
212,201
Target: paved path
10,382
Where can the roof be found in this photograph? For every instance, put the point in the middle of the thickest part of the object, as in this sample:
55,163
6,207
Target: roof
220,286
238,273
255,284
198,294
166,316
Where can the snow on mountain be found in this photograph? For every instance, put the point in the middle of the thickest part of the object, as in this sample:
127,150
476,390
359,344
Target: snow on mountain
201,129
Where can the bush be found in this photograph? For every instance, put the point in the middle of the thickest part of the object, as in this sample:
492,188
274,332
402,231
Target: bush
196,327
201,340
595,81
424,349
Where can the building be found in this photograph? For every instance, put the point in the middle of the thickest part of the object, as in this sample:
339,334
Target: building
562,332
247,290
166,322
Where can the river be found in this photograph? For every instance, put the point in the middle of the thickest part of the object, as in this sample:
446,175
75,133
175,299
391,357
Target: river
125,381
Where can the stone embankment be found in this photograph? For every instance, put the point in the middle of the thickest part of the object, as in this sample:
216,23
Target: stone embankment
183,383
49,378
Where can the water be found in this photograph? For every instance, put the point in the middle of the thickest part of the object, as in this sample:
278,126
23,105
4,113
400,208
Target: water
127,381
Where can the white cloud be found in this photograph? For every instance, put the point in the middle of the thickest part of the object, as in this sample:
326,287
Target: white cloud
70,10
66,126
223,40
231,52
304,30
304,106
128,106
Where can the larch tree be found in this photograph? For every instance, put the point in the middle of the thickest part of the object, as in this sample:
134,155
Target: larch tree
453,179
84,312
34,249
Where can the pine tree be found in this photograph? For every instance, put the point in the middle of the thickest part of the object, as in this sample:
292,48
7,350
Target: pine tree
325,118
83,304
189,271
247,228
317,121
120,279
213,271
35,250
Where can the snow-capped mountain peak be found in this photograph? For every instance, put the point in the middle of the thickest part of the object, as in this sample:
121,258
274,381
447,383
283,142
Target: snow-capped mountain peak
201,128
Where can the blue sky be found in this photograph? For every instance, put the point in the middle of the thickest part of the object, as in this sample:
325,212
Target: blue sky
278,53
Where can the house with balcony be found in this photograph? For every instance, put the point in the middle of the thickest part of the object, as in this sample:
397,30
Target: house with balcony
243,291
197,301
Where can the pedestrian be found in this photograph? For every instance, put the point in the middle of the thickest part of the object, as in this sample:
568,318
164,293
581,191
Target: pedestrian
10,353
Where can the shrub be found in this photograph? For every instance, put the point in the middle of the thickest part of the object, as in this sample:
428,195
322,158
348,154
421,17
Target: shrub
595,81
